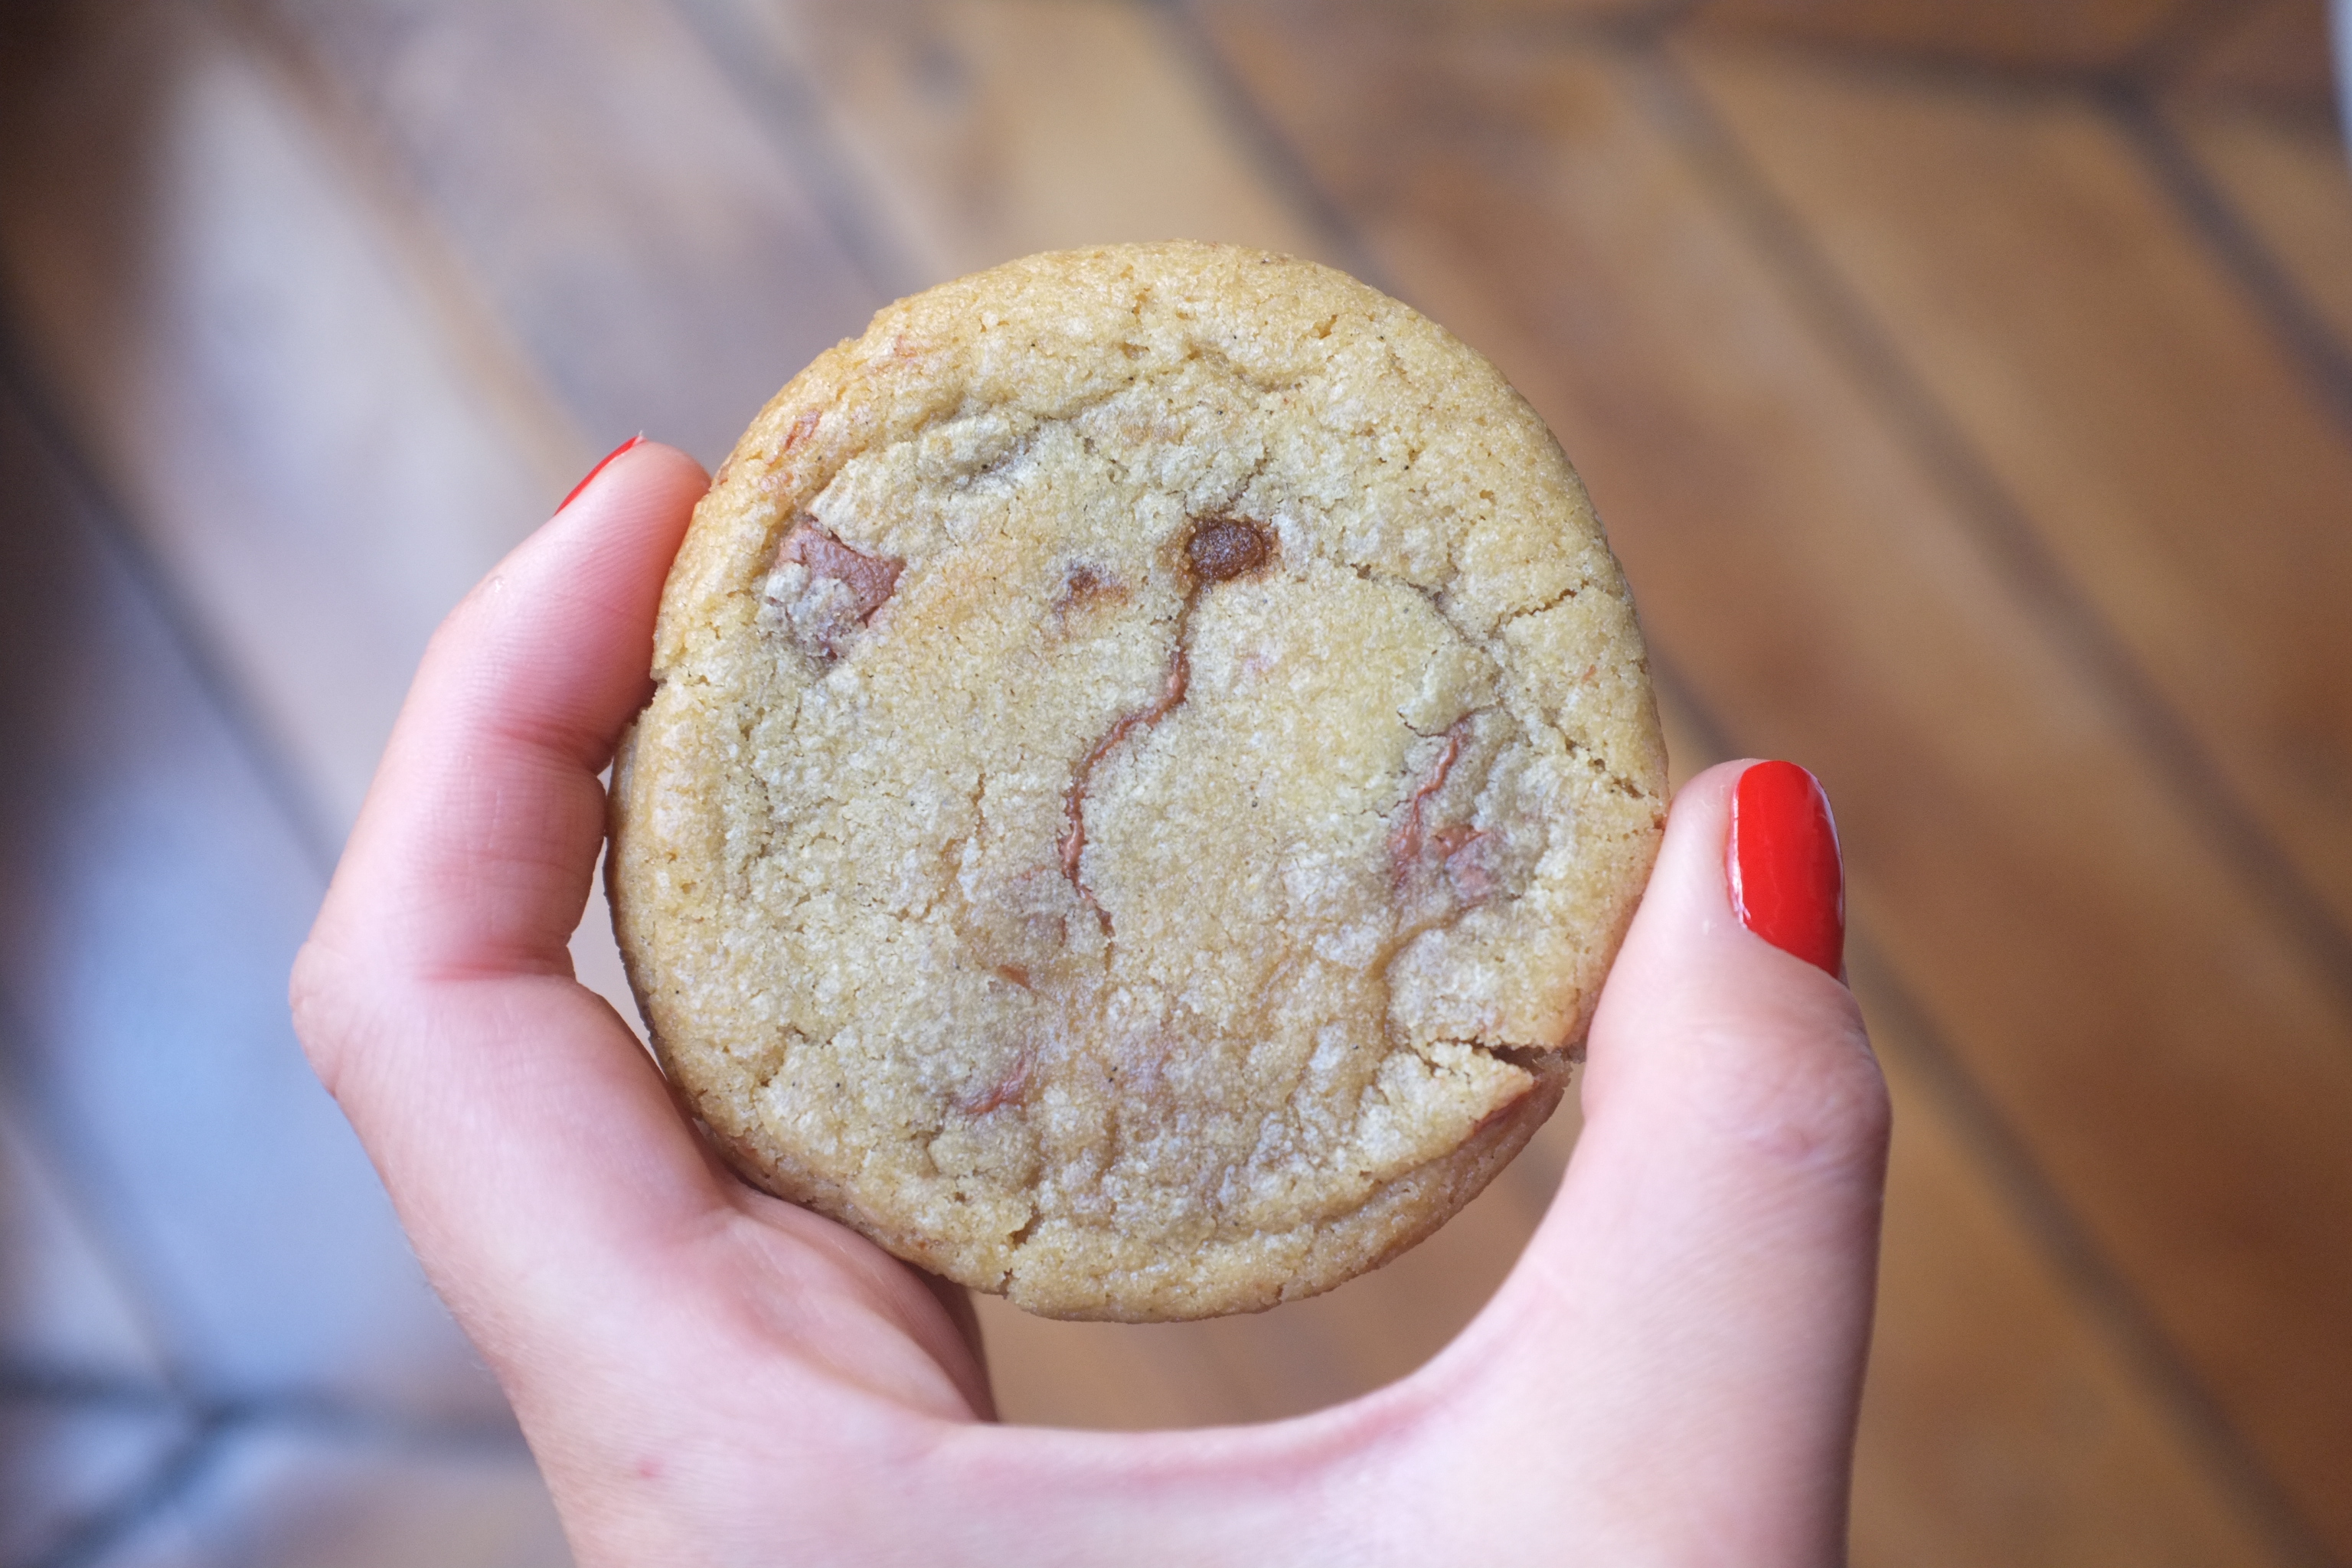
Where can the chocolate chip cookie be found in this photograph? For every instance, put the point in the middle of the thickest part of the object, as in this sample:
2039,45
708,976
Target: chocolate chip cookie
1152,758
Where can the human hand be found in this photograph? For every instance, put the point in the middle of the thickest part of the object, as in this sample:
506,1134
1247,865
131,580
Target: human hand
711,1376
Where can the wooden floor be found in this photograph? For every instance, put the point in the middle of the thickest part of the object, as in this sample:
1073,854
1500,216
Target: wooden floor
1969,391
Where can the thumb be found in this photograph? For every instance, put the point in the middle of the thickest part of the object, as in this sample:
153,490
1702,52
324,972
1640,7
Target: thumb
1690,1322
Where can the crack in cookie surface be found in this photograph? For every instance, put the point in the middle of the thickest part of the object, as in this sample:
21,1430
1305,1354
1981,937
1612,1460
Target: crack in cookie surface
1216,550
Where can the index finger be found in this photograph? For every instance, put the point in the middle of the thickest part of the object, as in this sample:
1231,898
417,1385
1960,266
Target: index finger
473,853
509,1110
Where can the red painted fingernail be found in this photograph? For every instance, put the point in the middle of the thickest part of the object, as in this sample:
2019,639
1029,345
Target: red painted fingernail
636,440
1788,884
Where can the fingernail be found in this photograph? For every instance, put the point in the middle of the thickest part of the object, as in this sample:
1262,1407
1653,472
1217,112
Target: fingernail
1788,884
636,440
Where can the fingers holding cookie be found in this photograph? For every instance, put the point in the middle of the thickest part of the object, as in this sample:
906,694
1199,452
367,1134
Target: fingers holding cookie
1151,755
435,996
1700,1292
474,853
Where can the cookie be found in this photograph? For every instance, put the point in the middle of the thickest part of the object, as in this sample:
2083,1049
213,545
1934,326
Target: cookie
1150,760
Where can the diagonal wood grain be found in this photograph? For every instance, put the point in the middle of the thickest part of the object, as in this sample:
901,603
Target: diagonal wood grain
65,1310
2002,1421
342,296
1537,11
666,265
66,1466
2004,1418
321,455
2164,446
152,895
2273,52
2127,1000
323,431
2034,34
2287,178
983,130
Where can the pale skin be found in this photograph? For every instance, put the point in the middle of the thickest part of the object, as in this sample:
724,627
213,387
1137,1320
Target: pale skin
709,1376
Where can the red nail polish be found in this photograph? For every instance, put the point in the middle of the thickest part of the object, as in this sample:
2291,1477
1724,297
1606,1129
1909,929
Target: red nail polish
1788,884
636,440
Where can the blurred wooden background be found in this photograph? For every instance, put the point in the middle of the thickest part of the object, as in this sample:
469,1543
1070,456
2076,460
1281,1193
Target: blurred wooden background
1969,389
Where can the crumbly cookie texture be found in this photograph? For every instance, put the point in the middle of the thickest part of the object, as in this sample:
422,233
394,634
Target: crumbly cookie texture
1151,761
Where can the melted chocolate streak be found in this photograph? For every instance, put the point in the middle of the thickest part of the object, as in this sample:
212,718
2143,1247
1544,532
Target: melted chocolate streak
1219,550
1404,840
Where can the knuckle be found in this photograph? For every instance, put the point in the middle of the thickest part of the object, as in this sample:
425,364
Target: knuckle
320,994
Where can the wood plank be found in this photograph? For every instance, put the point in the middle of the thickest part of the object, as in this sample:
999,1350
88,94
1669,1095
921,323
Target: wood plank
1540,10
2005,1418
983,130
152,896
2128,1002
2287,178
2002,1420
67,1313
2046,34
219,392
2271,52
67,1324
2163,445
322,455
323,432
667,265
66,1466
